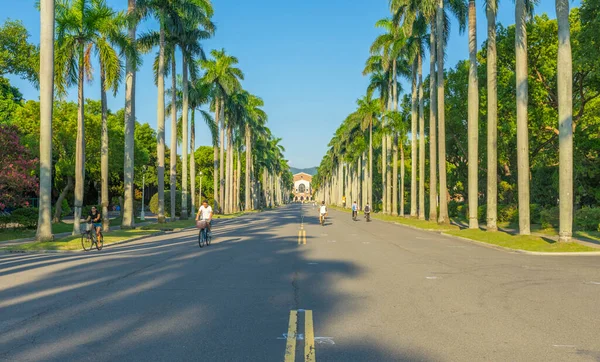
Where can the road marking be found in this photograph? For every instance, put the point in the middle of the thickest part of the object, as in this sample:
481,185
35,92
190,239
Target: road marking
304,236
290,347
308,337
309,342
313,263
596,283
564,345
430,278
301,236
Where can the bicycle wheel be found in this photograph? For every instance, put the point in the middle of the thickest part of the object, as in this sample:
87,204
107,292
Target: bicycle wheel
86,241
201,238
100,242
208,238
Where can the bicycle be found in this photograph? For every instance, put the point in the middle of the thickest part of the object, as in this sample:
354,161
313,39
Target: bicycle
354,214
204,236
89,239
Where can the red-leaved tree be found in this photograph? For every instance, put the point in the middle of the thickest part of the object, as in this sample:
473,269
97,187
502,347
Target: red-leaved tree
17,169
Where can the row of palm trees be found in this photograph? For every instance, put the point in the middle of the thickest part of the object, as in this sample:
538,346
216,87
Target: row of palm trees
88,28
399,52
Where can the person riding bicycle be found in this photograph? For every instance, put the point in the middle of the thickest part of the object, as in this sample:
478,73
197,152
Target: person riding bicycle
367,211
95,218
322,212
205,212
354,210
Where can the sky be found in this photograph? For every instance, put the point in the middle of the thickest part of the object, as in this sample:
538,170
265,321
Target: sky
304,58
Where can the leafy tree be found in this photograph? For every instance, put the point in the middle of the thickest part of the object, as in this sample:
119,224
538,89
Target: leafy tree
17,55
17,169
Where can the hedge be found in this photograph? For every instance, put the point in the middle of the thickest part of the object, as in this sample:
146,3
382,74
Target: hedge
154,203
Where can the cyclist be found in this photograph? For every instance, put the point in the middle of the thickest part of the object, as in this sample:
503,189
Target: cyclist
367,211
322,212
96,218
205,212
354,210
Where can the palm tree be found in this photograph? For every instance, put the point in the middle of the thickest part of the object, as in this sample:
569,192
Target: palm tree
256,120
368,112
473,118
492,118
225,78
78,25
459,9
565,120
189,42
432,123
111,69
128,218
522,11
44,230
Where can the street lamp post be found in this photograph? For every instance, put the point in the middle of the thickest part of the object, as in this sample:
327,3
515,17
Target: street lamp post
200,187
144,168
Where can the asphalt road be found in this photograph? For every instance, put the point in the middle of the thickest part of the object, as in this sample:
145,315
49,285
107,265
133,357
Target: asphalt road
373,291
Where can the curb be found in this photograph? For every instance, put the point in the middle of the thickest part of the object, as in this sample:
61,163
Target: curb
525,252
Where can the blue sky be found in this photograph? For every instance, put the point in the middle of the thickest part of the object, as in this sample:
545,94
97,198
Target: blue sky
304,58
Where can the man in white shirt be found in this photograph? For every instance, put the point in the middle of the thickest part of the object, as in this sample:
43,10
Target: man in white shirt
205,213
322,212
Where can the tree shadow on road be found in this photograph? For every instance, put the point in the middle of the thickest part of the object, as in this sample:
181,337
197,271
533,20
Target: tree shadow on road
165,298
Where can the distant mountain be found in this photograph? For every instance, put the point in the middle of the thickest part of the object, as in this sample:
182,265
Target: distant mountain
311,170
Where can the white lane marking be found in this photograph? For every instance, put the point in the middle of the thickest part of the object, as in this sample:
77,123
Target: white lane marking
331,241
313,263
595,283
366,242
319,340
430,278
564,345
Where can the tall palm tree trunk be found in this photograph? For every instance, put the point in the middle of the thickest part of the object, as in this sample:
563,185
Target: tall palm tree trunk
443,215
216,204
238,184
128,220
421,141
173,158
565,121
184,147
522,129
193,162
414,161
370,181
247,188
473,118
44,230
402,172
104,152
395,177
384,174
492,119
160,135
79,148
432,127
222,157
388,178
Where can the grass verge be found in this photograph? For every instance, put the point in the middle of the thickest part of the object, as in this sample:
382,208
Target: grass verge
74,242
520,242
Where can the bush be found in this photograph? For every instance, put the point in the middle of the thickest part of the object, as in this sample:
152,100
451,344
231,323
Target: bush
549,217
508,213
534,213
153,205
453,208
588,218
25,218
482,213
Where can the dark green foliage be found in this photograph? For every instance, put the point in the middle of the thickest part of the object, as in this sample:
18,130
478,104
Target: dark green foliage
508,213
588,218
24,218
154,203
549,217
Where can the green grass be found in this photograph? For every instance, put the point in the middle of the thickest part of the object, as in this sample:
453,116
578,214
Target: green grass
74,242
57,228
422,224
519,242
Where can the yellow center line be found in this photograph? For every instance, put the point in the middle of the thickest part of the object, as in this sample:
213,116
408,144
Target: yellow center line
303,236
309,337
290,347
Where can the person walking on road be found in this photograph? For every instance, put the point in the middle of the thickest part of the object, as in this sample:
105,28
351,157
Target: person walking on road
367,211
354,210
